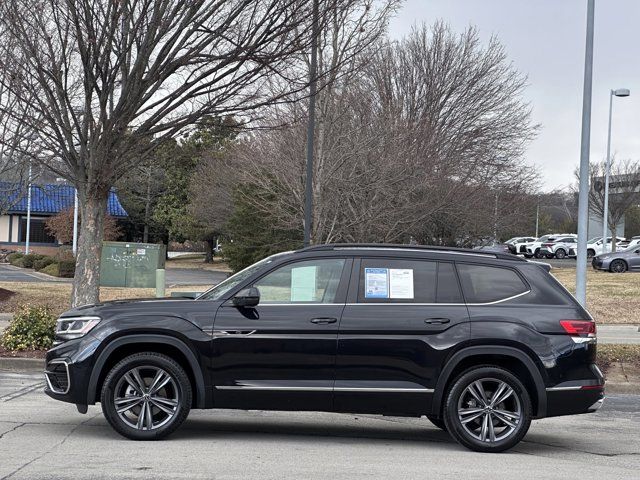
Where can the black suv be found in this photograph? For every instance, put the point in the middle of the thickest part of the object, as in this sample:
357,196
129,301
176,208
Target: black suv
480,343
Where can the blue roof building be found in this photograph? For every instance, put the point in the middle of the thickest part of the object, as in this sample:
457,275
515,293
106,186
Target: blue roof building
46,200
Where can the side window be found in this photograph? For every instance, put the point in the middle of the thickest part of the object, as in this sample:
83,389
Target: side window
483,284
448,288
311,281
397,281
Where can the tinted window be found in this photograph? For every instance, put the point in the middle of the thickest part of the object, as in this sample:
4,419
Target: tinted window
37,231
448,288
401,281
311,281
483,284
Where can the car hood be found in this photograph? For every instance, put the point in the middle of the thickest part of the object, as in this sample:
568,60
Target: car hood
136,305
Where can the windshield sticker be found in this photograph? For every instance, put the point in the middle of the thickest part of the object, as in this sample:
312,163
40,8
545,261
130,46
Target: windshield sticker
401,283
376,283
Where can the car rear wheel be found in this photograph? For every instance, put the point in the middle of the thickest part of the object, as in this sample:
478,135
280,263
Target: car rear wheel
591,253
487,409
146,396
618,266
560,254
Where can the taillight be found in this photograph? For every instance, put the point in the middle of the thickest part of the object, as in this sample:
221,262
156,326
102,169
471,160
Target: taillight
579,327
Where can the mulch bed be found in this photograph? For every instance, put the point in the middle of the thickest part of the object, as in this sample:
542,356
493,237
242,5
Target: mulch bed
23,354
6,294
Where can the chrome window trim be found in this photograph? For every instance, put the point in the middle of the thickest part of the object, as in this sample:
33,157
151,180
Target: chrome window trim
46,376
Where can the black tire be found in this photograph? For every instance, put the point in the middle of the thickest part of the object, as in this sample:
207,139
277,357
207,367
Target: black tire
527,255
438,422
549,255
560,254
618,266
501,436
591,253
169,405
537,253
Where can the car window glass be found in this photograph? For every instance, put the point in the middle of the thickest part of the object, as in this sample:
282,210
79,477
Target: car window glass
311,281
483,284
385,280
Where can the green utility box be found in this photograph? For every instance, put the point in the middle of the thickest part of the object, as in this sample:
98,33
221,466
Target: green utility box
131,264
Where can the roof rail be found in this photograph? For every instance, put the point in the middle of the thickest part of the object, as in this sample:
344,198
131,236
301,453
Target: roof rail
394,246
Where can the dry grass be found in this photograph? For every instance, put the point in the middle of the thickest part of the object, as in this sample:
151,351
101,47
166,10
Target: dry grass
611,298
197,262
58,295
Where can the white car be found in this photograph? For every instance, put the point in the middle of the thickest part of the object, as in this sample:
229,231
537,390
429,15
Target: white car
559,247
533,248
594,246
518,245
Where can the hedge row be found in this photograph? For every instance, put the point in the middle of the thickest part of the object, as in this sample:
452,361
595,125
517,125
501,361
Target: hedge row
60,265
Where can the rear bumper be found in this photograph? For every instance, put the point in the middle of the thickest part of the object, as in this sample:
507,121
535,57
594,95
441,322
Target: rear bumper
575,397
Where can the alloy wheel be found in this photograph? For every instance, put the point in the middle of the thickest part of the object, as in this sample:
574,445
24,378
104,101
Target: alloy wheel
618,266
146,397
489,410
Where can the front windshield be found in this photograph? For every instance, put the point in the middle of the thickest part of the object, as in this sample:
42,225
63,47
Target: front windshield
594,240
219,291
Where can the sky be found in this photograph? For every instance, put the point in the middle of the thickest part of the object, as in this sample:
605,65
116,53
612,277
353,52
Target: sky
545,39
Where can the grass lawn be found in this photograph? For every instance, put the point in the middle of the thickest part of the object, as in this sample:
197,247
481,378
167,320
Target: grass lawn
58,295
611,298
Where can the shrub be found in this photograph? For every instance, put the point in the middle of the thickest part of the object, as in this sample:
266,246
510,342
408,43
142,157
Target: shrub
52,269
18,262
27,260
40,263
67,268
32,328
14,256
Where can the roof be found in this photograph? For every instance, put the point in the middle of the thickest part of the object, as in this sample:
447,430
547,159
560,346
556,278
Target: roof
408,248
48,198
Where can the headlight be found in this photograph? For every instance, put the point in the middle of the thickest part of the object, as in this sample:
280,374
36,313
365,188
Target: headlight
75,327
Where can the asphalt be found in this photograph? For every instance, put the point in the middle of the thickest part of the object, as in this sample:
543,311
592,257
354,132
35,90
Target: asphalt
43,439
173,276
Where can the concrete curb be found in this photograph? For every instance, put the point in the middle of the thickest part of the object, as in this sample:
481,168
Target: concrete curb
16,364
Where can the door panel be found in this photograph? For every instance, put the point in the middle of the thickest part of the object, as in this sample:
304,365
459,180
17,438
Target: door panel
390,350
281,354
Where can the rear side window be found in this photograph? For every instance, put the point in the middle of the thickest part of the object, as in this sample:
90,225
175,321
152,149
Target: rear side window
384,280
484,284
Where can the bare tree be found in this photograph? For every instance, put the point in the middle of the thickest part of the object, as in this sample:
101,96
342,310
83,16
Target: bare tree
428,127
624,191
101,83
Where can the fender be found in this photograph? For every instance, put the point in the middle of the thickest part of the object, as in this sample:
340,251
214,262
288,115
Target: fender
164,339
491,350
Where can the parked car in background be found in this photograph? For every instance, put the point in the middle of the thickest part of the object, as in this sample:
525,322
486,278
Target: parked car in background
533,248
634,241
494,247
594,246
518,245
620,261
559,247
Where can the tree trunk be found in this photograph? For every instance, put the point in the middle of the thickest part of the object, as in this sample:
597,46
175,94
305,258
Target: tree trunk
209,253
86,282
613,227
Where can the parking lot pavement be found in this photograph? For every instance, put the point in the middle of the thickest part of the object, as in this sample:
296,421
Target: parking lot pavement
9,273
44,439
619,334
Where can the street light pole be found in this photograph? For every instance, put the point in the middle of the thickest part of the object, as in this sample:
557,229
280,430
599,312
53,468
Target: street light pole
620,92
583,192
311,126
28,232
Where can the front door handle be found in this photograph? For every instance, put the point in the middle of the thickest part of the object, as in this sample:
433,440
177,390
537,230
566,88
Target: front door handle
323,320
436,321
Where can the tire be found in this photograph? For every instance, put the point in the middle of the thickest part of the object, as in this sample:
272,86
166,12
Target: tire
549,255
591,253
168,405
475,434
527,255
438,422
618,266
537,253
560,254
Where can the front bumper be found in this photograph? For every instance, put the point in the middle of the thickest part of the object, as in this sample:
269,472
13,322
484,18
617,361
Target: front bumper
599,264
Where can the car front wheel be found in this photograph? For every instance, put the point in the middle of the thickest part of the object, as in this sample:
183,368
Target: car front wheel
487,409
560,254
146,396
618,266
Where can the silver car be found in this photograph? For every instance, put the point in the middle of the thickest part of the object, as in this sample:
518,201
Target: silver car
619,262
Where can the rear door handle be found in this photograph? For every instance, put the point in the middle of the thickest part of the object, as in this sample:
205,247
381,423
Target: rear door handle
323,320
436,321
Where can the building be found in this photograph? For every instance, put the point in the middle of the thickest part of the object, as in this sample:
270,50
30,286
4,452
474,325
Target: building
46,201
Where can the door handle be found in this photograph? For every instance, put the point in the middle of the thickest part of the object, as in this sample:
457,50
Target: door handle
323,320
436,321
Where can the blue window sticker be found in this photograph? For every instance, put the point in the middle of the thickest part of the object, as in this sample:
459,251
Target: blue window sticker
376,283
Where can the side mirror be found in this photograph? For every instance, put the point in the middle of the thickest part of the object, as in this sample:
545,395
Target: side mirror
638,250
247,297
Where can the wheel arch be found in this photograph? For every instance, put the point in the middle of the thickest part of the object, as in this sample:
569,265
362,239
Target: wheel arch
626,264
510,358
124,346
